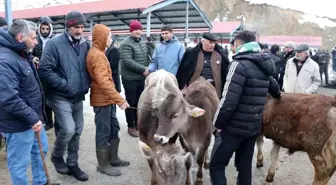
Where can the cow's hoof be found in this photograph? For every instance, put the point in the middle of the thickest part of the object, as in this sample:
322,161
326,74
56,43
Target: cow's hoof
269,178
260,164
199,182
206,165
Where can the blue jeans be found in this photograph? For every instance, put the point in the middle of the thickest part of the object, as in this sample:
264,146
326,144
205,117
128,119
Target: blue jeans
70,121
22,147
107,125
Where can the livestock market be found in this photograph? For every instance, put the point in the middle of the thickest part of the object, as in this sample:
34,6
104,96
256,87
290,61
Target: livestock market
167,92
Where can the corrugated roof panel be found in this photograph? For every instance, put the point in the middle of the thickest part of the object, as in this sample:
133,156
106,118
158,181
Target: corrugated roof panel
86,7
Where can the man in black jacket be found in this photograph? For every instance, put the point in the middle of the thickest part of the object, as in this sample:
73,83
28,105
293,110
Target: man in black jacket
45,30
208,60
239,116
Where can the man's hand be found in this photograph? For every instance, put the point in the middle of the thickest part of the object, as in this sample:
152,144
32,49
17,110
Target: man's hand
146,73
184,90
124,106
37,127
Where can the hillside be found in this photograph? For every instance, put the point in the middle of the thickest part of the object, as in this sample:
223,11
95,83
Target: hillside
267,19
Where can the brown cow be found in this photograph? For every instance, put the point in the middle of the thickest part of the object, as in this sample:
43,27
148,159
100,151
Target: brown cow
302,122
196,133
171,164
162,103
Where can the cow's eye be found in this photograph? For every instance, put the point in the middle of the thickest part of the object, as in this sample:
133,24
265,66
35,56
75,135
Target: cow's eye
175,116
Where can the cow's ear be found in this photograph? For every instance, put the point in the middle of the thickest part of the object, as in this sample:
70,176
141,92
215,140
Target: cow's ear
195,111
145,149
188,158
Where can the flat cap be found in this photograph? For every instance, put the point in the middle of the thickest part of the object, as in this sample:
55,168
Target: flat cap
302,47
210,36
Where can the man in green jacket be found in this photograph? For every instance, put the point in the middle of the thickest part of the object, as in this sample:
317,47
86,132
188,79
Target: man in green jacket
134,59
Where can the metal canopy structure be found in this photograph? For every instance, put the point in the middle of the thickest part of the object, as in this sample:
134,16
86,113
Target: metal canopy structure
117,14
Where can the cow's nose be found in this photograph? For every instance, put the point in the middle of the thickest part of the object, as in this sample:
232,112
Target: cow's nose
158,139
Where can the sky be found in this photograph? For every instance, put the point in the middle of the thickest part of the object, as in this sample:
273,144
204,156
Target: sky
322,8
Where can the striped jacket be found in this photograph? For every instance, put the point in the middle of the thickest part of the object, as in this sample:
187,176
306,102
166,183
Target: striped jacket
134,58
249,80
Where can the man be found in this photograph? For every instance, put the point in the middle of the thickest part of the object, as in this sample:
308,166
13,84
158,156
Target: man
103,98
333,57
21,103
64,73
3,25
275,49
113,56
150,46
168,54
302,73
321,59
45,30
133,64
226,51
239,115
289,53
208,60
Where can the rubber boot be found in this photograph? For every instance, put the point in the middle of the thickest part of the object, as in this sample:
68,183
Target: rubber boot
114,158
103,163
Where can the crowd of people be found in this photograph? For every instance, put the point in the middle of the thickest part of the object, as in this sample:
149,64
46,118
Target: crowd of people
42,74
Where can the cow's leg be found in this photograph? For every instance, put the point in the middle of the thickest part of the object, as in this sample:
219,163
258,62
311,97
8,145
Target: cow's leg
321,176
153,178
188,167
260,156
200,160
274,157
206,160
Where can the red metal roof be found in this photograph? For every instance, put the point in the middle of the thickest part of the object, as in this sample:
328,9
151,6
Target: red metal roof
281,40
218,27
224,27
86,7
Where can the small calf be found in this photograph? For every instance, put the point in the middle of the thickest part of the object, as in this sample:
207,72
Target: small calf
170,164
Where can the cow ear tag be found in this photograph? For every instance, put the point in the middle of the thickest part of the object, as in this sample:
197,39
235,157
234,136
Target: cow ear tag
196,112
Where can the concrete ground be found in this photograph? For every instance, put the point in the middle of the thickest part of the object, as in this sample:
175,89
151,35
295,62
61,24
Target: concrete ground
291,170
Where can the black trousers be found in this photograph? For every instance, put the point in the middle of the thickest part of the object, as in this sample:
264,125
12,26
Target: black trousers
48,112
133,90
324,70
224,147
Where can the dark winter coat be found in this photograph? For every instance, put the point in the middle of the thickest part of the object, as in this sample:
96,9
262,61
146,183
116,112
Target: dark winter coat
282,67
62,68
249,80
21,96
113,56
188,64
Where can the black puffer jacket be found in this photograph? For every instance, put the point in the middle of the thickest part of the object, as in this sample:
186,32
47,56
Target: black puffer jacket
248,82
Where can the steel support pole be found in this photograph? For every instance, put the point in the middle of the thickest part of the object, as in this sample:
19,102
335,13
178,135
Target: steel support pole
148,26
8,11
187,22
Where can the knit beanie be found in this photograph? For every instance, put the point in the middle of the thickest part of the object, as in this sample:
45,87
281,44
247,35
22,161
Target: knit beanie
135,25
3,22
74,18
290,44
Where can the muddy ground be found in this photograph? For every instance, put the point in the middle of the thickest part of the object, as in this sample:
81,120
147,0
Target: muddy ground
291,170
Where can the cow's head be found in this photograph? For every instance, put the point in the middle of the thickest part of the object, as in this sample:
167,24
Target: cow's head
173,114
171,164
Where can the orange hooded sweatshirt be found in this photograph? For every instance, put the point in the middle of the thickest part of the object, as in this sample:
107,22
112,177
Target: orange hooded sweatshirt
103,91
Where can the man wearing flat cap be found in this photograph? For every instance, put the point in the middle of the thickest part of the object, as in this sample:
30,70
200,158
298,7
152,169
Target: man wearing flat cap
206,59
302,73
63,72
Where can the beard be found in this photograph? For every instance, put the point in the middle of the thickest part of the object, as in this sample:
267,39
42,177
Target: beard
45,35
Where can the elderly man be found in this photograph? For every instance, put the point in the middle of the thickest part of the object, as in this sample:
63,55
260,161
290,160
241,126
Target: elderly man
289,53
301,73
208,60
134,59
64,73
21,103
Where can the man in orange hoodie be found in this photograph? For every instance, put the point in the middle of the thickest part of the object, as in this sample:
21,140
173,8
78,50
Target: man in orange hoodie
104,97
